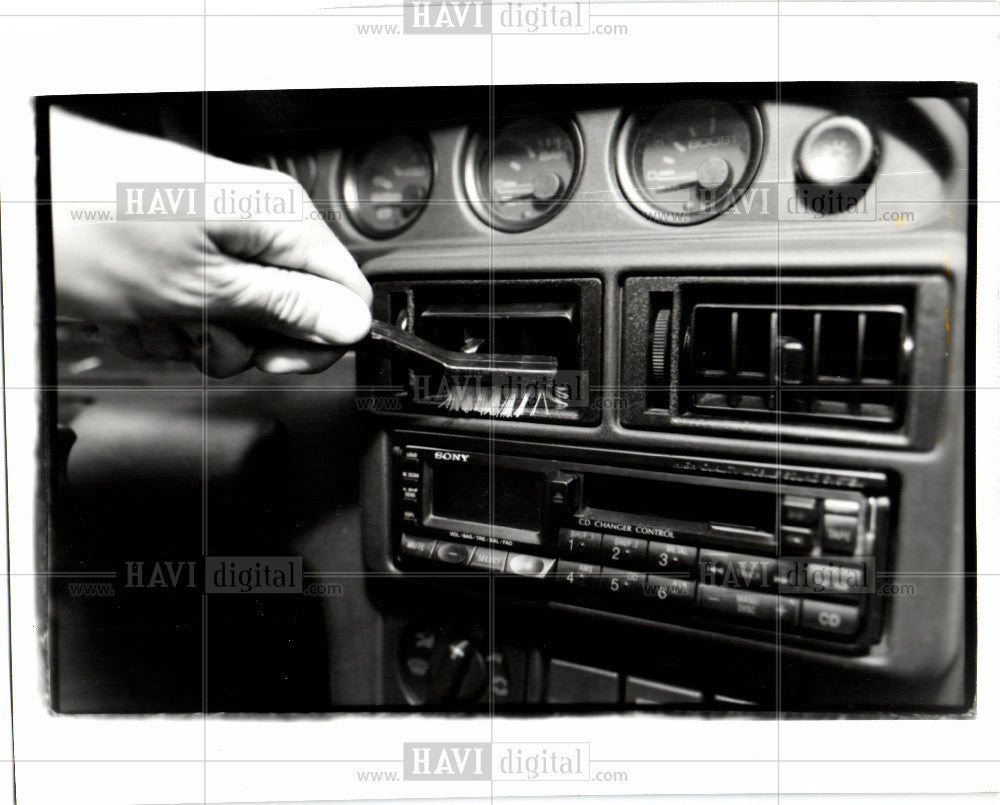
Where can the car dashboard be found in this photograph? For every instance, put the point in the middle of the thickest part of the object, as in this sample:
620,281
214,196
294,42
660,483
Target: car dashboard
744,490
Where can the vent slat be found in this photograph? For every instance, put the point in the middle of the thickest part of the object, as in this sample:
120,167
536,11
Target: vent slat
832,362
817,335
734,349
859,365
774,373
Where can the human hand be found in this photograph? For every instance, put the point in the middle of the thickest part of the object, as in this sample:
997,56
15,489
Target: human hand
285,296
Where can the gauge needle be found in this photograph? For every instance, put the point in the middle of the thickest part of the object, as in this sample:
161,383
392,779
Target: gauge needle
543,187
712,174
678,183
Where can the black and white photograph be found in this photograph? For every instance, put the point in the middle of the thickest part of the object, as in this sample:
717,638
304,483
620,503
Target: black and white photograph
590,408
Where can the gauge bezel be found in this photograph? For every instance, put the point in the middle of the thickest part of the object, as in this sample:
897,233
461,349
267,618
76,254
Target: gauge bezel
631,188
866,136
483,209
348,184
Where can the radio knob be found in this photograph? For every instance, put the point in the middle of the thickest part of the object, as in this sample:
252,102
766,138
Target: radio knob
660,346
439,667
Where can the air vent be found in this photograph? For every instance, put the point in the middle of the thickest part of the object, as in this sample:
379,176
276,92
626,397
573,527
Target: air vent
830,362
557,318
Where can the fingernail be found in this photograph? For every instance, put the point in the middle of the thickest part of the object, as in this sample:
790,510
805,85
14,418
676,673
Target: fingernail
282,364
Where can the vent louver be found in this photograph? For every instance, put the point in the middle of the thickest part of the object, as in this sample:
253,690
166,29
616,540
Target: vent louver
824,362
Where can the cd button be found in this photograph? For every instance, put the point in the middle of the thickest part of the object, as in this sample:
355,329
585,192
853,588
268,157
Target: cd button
819,616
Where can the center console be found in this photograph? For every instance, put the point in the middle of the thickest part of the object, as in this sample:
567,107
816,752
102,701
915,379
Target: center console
752,491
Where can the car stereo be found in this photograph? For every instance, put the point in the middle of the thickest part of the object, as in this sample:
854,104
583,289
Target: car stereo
764,551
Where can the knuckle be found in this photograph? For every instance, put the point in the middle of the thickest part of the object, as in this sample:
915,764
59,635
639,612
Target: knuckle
284,303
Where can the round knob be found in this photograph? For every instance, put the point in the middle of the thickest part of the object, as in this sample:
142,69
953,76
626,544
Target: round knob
660,346
837,151
441,668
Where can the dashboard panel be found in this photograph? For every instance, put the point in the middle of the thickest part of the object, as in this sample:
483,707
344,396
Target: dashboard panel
755,452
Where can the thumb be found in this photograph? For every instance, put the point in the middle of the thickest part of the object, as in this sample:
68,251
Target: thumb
292,303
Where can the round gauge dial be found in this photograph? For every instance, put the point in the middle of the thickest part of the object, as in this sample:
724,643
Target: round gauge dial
526,176
386,186
689,161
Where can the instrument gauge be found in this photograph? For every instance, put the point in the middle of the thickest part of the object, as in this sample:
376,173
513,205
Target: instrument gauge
386,186
689,161
522,178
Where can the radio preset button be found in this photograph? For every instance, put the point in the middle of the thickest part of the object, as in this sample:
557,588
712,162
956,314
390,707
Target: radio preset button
582,575
419,547
453,554
840,533
799,511
622,551
666,557
797,541
583,546
819,616
840,506
788,609
746,605
825,579
522,564
736,570
665,591
622,584
489,559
